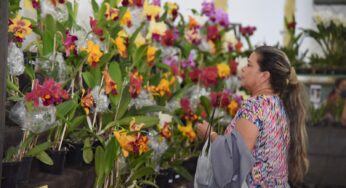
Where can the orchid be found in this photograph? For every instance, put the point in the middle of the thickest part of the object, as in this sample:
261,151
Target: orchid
94,53
20,28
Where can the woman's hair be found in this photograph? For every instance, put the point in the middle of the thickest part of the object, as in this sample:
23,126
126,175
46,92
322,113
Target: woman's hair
284,81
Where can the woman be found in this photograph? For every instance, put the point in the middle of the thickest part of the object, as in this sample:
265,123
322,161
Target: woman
272,121
336,106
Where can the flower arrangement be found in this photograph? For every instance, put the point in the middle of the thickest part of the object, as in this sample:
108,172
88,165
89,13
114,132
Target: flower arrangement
134,83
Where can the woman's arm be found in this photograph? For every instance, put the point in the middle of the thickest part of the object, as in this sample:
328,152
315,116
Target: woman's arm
248,131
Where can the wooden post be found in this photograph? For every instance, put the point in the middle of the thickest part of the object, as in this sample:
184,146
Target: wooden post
3,64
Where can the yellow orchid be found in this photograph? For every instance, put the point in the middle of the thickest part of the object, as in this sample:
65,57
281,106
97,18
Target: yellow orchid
94,53
163,88
188,131
151,11
223,70
151,55
20,27
171,7
111,13
120,43
156,29
140,40
233,107
126,20
134,126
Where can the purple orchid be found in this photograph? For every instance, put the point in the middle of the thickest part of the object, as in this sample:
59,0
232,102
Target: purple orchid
69,43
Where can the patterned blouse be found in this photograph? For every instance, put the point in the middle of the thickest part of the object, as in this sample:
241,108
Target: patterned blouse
271,149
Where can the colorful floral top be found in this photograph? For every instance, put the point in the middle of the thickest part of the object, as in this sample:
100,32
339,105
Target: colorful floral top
271,149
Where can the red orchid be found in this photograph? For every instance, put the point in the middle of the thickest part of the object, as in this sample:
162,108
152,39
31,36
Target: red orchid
213,33
136,81
234,65
50,93
247,31
220,99
209,76
168,38
195,74
98,31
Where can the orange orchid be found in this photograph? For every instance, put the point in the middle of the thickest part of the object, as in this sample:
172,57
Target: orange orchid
151,55
136,81
87,101
110,85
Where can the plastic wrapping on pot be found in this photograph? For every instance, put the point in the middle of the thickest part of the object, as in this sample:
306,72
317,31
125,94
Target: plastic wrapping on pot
59,12
40,119
15,60
18,113
101,100
194,95
158,145
143,99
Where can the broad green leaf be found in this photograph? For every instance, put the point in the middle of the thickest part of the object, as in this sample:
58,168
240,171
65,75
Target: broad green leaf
99,161
183,172
39,149
112,149
64,108
145,171
124,102
95,7
115,73
29,71
89,79
45,158
146,109
11,86
76,122
87,151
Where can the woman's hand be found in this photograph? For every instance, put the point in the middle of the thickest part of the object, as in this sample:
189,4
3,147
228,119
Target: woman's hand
202,129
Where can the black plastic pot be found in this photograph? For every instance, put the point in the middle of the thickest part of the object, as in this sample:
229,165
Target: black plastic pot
24,169
165,178
74,156
58,166
9,174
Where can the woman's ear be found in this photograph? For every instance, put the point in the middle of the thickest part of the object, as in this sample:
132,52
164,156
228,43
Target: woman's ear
266,75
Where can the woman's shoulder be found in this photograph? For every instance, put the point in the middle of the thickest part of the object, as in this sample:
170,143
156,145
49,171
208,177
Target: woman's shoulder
259,100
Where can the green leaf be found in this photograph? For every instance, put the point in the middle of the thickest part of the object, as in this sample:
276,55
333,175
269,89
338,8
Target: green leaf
112,149
39,149
115,73
45,158
183,172
10,152
139,55
145,171
11,86
148,121
87,151
29,71
206,104
163,66
48,35
124,103
89,79
64,108
95,7
99,161
76,122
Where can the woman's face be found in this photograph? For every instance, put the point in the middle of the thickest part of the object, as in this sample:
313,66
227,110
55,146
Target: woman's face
251,77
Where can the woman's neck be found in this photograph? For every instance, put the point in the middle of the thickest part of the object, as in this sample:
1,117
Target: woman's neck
263,91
